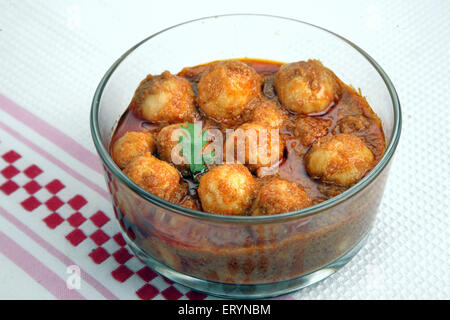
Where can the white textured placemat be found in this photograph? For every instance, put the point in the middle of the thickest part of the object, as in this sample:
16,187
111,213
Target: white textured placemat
53,54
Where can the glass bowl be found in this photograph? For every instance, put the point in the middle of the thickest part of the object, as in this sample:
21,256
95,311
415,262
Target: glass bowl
237,256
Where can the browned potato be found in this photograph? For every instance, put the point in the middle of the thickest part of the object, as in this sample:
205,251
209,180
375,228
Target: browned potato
190,203
342,159
268,113
166,141
131,145
165,98
262,146
154,175
308,129
306,86
279,196
225,90
352,124
227,189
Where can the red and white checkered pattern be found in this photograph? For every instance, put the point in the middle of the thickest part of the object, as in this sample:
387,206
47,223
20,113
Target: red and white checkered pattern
68,213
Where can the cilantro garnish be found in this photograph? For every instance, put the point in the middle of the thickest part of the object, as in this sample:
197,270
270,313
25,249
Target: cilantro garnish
192,143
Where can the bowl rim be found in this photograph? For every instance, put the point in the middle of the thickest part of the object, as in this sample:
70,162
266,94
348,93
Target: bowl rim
315,209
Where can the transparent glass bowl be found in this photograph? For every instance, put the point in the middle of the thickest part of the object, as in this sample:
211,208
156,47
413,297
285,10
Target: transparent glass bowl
243,257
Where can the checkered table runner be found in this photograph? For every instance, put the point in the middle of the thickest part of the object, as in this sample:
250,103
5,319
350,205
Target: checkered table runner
54,209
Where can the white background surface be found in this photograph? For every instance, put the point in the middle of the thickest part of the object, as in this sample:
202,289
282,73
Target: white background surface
53,54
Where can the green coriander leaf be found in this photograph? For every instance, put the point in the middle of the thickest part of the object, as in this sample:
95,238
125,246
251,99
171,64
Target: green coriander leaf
192,143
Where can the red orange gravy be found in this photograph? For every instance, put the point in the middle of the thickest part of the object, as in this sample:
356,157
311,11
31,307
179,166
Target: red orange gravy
292,166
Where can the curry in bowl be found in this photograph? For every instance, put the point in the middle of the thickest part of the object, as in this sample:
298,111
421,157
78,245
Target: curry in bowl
247,137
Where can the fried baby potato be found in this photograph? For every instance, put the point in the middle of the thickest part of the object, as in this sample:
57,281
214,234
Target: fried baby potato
169,149
306,87
254,145
154,175
190,203
131,145
309,129
226,89
353,124
279,196
165,98
342,159
227,189
268,113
